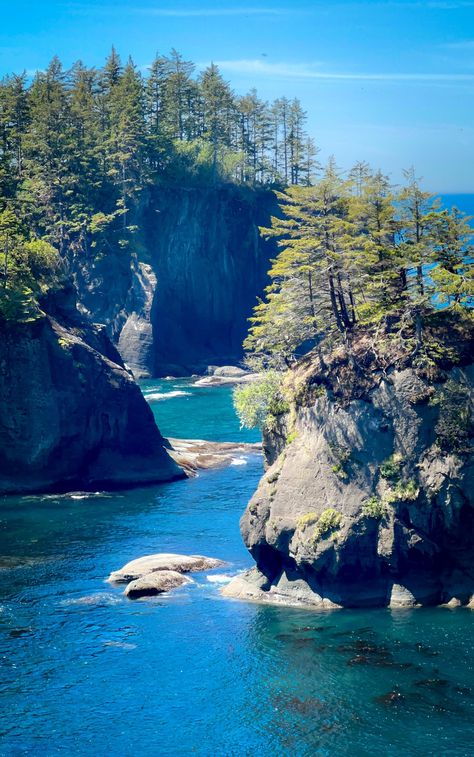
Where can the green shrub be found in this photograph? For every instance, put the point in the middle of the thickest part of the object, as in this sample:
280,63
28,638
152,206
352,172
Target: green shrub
374,508
329,520
408,490
340,472
28,268
306,520
392,467
258,403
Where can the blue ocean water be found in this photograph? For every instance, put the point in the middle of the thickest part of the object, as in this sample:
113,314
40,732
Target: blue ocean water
464,202
84,671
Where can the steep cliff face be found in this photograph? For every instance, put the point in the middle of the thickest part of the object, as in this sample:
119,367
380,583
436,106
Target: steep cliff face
371,503
71,416
180,299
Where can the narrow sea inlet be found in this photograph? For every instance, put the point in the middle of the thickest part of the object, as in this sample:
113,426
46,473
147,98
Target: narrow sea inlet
86,671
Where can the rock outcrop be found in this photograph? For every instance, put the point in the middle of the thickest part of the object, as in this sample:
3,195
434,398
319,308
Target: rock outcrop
367,501
71,415
179,298
155,583
163,561
200,454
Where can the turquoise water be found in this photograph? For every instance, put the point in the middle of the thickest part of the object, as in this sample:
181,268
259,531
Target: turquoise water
87,672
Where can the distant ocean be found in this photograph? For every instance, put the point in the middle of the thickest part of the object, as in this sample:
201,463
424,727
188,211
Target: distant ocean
464,202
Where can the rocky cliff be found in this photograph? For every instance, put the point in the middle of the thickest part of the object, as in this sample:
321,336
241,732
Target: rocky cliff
71,416
179,298
367,500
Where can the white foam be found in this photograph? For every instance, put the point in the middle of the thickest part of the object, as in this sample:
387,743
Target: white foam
220,578
238,461
156,396
86,495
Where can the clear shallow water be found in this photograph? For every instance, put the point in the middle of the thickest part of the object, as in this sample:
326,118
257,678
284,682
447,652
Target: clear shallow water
85,671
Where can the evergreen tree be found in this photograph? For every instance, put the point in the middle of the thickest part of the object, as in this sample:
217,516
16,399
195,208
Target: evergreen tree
180,97
50,155
13,123
355,259
127,143
218,107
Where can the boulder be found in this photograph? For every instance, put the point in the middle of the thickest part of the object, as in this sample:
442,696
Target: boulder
163,562
230,371
155,583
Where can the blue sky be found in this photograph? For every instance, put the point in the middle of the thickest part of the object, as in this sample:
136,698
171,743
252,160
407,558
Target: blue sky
388,82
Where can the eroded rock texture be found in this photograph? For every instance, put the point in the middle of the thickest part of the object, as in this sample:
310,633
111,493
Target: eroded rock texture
371,503
179,298
71,415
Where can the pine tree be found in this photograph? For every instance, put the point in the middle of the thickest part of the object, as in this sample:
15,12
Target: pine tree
127,137
296,140
180,96
218,107
418,212
13,122
49,157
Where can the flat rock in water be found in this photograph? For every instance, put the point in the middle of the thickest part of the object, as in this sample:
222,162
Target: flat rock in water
195,454
162,561
155,583
219,380
230,371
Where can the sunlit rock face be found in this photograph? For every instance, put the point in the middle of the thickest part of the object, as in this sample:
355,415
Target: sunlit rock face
71,415
370,503
180,297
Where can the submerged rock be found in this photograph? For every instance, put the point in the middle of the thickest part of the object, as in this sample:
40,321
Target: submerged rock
71,415
370,502
163,562
155,583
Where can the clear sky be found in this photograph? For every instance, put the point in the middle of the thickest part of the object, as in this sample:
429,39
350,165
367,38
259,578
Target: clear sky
387,82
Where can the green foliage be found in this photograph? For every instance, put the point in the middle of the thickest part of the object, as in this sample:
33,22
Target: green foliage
454,426
340,471
79,147
260,402
374,508
28,268
392,467
329,520
353,253
291,437
306,520
401,492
